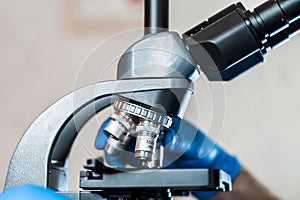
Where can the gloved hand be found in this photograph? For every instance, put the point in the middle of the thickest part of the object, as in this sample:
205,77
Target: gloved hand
198,151
30,192
185,147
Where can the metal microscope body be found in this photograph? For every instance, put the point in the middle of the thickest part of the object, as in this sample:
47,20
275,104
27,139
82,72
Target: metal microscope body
52,134
154,84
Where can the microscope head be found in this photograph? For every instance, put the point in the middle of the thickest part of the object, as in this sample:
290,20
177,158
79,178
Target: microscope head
144,115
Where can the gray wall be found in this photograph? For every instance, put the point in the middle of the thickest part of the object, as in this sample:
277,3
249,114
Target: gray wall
42,46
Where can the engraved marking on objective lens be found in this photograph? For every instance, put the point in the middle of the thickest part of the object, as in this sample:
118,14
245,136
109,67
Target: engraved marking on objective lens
150,142
143,113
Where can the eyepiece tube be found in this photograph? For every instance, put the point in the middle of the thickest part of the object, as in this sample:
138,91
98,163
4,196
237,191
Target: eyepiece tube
237,39
276,20
291,9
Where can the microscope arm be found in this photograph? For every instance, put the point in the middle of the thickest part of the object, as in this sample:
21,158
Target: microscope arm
40,157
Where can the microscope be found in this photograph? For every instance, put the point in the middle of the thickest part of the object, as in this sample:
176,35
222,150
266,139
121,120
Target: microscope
155,78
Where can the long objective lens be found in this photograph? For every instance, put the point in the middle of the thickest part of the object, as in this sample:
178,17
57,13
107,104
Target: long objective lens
146,139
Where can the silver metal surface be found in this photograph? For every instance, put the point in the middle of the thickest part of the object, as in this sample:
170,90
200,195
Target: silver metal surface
158,55
116,147
119,128
158,155
143,113
115,129
121,123
49,138
146,141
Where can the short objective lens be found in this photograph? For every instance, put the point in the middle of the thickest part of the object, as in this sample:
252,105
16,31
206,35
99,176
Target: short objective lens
119,128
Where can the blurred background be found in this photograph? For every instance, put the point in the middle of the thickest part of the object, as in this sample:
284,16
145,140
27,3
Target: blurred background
43,45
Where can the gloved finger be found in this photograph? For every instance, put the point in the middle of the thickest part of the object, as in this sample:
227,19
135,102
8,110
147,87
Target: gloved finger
196,150
204,195
115,161
101,138
204,153
188,150
180,140
198,146
181,137
31,192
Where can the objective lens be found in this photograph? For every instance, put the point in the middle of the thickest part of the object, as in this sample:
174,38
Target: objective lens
146,138
116,147
119,128
122,128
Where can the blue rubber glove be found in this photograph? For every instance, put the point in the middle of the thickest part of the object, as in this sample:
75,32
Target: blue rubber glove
196,150
185,147
31,192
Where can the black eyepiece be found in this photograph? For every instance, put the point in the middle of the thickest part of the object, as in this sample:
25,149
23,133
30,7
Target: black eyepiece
276,19
236,39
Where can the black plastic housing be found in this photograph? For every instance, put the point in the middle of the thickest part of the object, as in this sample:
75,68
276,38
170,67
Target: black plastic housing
156,16
235,39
